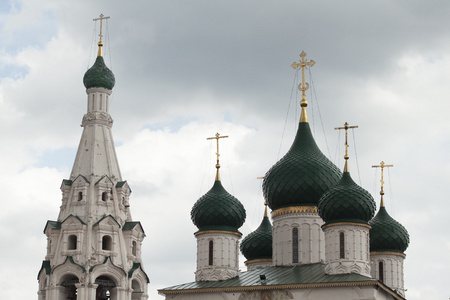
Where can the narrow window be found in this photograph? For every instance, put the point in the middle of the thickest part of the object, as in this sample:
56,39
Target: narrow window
80,196
104,196
101,101
295,245
106,242
72,242
341,245
381,271
211,252
133,248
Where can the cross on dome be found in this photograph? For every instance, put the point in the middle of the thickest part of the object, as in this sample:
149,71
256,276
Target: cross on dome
100,43
382,165
304,85
346,157
217,137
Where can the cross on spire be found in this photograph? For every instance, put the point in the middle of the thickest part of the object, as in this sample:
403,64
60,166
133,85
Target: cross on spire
100,43
346,157
217,137
382,165
304,85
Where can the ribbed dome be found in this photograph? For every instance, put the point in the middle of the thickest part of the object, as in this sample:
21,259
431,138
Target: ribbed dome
347,202
218,210
99,75
387,234
302,176
258,244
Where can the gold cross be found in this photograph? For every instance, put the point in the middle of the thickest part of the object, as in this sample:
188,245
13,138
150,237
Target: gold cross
382,166
217,137
100,44
346,127
303,63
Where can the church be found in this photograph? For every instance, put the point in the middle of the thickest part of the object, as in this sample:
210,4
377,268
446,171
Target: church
325,241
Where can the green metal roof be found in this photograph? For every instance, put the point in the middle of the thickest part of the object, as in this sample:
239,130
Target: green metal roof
218,210
302,176
99,75
52,225
300,276
134,268
387,234
258,244
346,202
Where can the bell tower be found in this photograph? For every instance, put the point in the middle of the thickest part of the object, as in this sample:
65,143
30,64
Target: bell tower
94,246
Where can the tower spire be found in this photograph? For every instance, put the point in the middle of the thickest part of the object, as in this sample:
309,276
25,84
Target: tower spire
217,137
304,85
100,43
382,165
346,157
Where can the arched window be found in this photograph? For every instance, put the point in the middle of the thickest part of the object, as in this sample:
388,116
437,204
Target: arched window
133,248
104,196
295,245
106,242
72,242
341,245
211,253
135,286
80,196
381,271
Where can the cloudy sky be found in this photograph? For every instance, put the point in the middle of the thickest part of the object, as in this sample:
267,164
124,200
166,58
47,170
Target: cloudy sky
188,69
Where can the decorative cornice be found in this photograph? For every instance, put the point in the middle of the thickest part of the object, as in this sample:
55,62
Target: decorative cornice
387,253
283,287
346,223
218,231
294,210
97,117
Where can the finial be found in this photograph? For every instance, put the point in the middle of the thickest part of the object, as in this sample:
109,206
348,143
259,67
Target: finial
265,209
100,43
304,85
217,137
382,166
346,157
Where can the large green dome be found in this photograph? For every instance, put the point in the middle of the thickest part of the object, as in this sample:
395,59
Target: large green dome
258,244
346,202
99,75
387,234
218,210
302,176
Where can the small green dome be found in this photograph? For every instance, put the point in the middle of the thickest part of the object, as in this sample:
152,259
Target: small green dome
258,244
302,176
346,202
218,210
387,234
99,75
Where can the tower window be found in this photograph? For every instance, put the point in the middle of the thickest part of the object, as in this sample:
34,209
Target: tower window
80,196
72,242
341,245
381,271
211,253
104,196
295,245
106,242
133,248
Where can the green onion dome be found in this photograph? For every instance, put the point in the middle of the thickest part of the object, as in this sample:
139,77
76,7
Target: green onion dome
218,210
346,202
258,244
387,234
99,75
302,176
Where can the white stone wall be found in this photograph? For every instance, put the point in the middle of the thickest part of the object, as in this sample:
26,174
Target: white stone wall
311,240
392,269
225,255
356,249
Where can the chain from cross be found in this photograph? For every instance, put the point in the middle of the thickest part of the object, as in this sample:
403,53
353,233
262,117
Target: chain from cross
382,165
303,63
346,127
217,137
102,17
